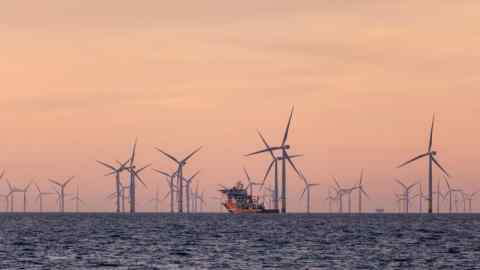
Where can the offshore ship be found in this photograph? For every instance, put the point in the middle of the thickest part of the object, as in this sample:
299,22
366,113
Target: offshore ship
238,201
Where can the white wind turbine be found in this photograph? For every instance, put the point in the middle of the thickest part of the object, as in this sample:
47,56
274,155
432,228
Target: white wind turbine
24,191
307,190
431,160
284,147
77,200
134,175
406,193
40,196
451,193
188,190
361,192
251,183
179,173
11,194
62,192
344,191
171,186
469,197
116,171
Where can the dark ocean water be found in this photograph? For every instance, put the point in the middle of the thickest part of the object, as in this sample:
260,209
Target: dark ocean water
222,241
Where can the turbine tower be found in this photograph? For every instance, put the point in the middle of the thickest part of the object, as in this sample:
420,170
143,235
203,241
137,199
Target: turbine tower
431,160
62,192
284,147
179,173
116,172
134,175
406,193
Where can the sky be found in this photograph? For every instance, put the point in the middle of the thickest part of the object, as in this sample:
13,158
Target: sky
82,79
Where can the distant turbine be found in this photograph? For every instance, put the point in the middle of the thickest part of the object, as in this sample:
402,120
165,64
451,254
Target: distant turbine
134,175
188,190
11,194
330,199
450,192
171,187
24,191
179,174
469,198
62,192
284,147
307,190
157,199
250,182
40,196
431,159
406,193
421,197
361,191
116,172
77,200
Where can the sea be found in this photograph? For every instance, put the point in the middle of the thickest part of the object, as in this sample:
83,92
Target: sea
224,241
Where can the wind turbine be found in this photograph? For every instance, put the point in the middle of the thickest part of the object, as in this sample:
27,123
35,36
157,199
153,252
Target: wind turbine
451,192
421,197
116,171
399,200
157,200
11,194
24,191
307,190
406,192
40,196
77,200
123,193
188,190
344,191
330,199
250,182
431,159
171,186
284,147
361,191
469,197
134,175
179,174
62,192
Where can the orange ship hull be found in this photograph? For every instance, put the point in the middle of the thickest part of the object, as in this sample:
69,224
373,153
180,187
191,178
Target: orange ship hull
234,209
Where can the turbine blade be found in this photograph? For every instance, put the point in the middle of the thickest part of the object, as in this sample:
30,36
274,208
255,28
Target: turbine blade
266,144
246,174
143,168
2,174
263,151
106,165
193,176
361,177
167,155
448,184
285,136
55,182
402,184
440,166
336,183
191,155
413,159
68,181
303,193
139,179
430,143
162,172
293,166
38,188
267,173
132,158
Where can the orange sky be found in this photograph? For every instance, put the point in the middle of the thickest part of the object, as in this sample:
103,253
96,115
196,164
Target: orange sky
81,79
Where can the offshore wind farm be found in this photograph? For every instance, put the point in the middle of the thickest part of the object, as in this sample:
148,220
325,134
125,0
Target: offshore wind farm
239,135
